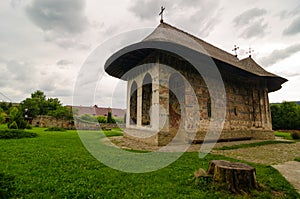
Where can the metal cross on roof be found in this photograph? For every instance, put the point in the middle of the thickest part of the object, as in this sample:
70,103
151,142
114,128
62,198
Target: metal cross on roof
235,50
250,52
162,14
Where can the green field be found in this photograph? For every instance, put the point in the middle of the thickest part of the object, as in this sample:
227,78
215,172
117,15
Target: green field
56,165
284,135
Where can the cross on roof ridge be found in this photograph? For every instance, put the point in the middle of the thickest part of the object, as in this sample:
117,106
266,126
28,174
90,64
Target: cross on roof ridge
162,14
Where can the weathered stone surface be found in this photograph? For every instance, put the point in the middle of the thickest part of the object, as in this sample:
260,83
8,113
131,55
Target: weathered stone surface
247,104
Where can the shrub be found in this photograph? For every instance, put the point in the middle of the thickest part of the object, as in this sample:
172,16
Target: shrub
119,120
101,119
55,128
28,126
295,135
15,133
13,125
88,118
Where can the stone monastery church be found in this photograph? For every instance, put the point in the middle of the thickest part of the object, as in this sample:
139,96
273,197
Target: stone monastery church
178,82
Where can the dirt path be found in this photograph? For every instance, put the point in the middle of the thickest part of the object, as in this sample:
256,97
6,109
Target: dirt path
272,154
291,171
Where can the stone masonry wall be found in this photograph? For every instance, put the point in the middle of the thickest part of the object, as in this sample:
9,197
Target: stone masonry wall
247,103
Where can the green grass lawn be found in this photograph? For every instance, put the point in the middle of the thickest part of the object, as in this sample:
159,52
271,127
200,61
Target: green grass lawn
268,142
56,165
284,135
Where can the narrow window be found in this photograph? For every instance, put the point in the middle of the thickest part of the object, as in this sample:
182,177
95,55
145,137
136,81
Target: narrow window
209,108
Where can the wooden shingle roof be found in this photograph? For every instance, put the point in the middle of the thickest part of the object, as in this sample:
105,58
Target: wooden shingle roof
166,37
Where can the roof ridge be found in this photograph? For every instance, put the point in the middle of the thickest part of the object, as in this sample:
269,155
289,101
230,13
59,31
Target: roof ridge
197,38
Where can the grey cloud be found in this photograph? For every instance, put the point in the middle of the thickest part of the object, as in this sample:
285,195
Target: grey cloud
293,28
248,16
146,9
65,41
63,62
278,55
258,28
286,14
56,15
185,12
20,70
288,74
205,25
15,3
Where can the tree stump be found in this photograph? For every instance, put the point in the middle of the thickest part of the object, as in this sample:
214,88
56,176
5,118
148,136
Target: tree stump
239,177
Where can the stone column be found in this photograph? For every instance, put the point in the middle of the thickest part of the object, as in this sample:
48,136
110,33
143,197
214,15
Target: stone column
262,107
139,104
154,119
128,104
164,99
268,112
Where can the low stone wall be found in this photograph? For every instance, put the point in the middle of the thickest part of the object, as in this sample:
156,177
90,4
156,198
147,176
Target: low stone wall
48,121
80,125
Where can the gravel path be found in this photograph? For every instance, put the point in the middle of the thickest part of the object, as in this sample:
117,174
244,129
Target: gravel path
291,171
272,154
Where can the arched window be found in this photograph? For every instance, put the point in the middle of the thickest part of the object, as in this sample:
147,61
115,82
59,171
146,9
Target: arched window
146,99
133,103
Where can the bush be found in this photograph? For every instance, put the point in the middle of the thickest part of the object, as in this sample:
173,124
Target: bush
28,126
119,120
88,118
13,125
101,119
15,133
55,128
295,136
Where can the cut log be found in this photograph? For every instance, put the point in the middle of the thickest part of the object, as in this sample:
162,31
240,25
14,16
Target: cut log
238,177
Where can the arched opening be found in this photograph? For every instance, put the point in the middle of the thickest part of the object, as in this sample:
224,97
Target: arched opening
146,99
176,99
133,104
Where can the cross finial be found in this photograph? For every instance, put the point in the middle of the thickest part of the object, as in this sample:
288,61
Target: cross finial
162,14
250,52
235,50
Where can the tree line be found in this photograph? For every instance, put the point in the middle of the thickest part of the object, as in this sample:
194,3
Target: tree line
17,116
285,116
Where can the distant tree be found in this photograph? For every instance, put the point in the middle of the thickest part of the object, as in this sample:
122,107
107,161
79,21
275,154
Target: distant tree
38,95
30,107
2,116
61,112
38,104
286,116
5,106
110,119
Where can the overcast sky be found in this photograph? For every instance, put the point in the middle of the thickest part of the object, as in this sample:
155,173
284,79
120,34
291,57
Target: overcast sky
45,43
